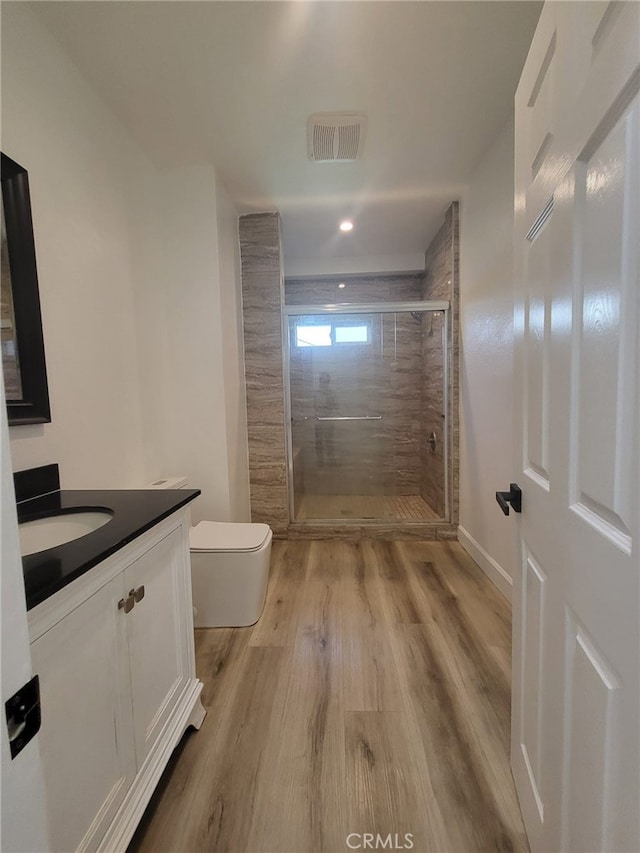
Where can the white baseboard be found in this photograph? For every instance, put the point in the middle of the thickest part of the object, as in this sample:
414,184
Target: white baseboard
489,566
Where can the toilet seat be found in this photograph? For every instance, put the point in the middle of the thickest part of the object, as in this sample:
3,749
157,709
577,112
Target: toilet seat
221,536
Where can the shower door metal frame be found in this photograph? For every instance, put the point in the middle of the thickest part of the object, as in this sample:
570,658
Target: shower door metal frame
364,308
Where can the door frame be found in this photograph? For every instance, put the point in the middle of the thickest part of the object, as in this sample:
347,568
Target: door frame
24,819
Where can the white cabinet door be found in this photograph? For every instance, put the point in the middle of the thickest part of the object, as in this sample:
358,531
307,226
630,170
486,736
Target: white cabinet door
159,638
575,733
86,719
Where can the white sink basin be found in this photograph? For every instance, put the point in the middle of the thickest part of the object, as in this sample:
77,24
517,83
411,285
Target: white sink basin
42,533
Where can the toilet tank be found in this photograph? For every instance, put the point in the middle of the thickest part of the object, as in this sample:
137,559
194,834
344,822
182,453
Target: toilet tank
168,483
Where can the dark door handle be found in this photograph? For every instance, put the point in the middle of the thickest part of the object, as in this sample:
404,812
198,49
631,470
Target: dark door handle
513,497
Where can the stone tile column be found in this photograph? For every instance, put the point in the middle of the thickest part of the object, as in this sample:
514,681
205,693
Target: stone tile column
262,300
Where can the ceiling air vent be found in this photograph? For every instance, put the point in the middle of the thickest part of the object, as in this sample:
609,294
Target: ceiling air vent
335,137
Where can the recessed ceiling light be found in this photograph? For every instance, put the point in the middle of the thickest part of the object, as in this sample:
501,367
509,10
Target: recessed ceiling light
346,225
342,285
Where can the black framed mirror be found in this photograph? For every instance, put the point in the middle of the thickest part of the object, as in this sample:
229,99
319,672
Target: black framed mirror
23,360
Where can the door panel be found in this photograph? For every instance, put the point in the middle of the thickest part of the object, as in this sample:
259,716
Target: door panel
541,110
537,333
605,343
85,719
155,630
575,738
533,633
592,741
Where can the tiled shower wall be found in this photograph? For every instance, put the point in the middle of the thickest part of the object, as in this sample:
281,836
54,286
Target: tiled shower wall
359,289
262,298
441,283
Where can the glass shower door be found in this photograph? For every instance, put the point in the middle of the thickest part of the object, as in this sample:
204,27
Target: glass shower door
357,396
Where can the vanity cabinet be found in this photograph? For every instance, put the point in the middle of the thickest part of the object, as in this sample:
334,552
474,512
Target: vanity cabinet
114,652
82,665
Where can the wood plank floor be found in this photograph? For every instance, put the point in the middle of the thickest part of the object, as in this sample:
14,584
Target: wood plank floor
372,696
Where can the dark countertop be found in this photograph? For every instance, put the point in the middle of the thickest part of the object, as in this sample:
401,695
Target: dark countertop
134,512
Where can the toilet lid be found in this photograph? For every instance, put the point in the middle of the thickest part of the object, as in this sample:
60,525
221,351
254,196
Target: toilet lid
227,536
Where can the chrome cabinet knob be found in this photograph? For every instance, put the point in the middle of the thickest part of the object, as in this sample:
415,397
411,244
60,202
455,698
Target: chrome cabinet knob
138,594
127,604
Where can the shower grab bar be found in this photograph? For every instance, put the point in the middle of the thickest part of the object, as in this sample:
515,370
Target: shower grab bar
358,418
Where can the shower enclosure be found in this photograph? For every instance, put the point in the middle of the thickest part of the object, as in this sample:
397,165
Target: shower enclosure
368,412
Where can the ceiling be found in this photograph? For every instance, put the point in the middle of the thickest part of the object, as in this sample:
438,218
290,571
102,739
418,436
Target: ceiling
234,82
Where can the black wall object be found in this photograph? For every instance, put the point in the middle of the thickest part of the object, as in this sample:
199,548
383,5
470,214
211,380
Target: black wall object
33,408
33,482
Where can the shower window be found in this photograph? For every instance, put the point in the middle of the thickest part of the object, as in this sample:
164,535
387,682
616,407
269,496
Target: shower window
366,389
358,334
322,335
313,336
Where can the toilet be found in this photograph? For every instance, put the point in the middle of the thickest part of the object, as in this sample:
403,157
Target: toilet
229,572
229,568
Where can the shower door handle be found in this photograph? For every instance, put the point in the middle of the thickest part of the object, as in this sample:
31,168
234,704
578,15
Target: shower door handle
348,418
513,497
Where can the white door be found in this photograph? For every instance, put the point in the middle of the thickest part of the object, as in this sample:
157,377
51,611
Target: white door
23,819
576,724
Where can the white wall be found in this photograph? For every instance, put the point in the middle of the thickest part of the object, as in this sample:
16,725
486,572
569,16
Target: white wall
233,356
78,159
136,270
486,361
188,302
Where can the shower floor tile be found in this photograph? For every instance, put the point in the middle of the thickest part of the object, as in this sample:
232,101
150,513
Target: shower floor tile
373,507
